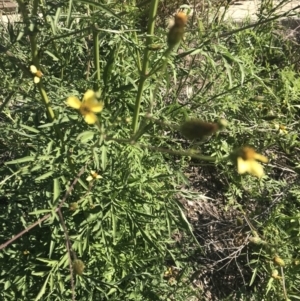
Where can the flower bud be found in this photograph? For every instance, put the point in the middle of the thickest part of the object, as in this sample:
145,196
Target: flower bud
175,35
73,206
176,32
181,19
197,129
279,261
256,240
78,266
275,274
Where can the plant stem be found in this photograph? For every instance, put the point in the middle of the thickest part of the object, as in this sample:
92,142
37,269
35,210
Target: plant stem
45,217
138,58
35,60
143,76
188,153
96,59
34,53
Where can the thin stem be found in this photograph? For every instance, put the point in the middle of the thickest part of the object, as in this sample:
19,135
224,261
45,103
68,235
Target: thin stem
96,59
207,39
138,58
69,251
72,33
188,153
69,13
283,285
36,61
46,100
150,32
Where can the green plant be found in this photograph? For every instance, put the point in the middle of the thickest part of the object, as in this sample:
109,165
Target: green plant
104,203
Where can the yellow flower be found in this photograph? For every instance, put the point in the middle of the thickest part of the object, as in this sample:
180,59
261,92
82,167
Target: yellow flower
93,176
38,74
246,162
281,129
296,262
88,107
275,274
171,272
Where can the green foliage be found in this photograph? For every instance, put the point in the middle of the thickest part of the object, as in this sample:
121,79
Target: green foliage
127,234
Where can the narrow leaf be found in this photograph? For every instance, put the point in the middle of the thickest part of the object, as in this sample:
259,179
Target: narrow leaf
56,189
44,176
22,160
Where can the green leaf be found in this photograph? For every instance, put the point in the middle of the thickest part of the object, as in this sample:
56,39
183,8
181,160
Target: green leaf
86,136
101,7
114,226
42,290
96,158
109,65
22,160
46,125
52,243
45,176
56,189
53,56
228,71
56,18
49,262
39,274
23,134
69,14
7,285
41,211
83,184
187,225
29,128
270,285
253,276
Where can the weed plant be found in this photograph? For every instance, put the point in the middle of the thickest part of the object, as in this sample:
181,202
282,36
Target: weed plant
109,121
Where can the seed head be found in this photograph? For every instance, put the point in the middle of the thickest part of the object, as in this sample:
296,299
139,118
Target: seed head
181,19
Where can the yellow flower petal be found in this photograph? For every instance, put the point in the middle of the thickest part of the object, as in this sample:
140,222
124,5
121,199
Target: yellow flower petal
74,102
242,165
89,95
93,176
90,118
261,158
256,169
36,80
96,107
33,69
89,178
